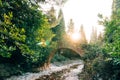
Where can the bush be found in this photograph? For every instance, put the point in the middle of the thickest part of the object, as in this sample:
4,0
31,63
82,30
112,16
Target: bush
96,64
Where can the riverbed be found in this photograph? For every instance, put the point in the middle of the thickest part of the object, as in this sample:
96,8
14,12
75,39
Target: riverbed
65,70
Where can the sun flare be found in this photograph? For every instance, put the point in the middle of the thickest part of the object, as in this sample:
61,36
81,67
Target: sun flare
78,11
75,37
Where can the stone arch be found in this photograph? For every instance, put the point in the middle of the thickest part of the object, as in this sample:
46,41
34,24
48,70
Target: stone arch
52,53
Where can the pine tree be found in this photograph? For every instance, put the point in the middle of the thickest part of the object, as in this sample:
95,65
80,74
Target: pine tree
93,38
116,9
116,5
100,38
52,17
59,30
61,24
71,26
82,35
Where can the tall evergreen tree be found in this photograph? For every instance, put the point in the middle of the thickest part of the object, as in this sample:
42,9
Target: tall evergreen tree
59,3
116,9
70,26
83,39
59,30
116,5
52,17
93,38
100,38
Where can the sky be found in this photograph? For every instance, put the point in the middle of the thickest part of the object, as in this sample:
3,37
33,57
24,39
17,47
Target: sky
85,12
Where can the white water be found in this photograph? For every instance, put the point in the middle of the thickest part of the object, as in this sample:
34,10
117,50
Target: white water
54,68
73,74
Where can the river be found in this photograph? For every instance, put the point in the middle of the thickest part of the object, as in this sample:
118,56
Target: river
65,70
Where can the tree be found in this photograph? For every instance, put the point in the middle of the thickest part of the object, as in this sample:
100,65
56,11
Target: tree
93,38
112,29
59,30
25,15
12,39
70,26
115,5
100,38
108,54
112,41
22,30
52,17
59,3
83,39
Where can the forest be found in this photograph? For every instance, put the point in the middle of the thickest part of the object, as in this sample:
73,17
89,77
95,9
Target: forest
33,38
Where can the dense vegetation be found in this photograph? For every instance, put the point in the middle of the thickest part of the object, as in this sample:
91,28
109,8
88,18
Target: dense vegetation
22,27
102,60
27,36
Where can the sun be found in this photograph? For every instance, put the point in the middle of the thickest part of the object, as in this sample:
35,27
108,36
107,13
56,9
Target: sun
75,37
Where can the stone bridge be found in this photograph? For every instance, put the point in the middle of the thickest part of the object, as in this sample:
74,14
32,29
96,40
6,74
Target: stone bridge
73,48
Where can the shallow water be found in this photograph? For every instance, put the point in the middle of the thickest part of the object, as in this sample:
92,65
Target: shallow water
58,66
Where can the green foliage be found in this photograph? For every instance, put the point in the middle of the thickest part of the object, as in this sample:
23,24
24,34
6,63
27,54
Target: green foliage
40,56
42,33
26,15
52,17
98,69
102,62
58,58
112,44
65,54
96,64
22,26
11,37
112,38
91,51
105,66
59,29
68,53
59,3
